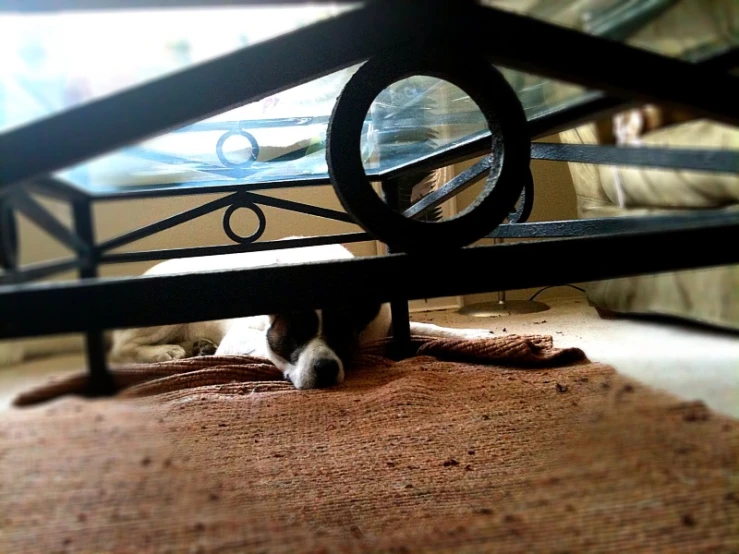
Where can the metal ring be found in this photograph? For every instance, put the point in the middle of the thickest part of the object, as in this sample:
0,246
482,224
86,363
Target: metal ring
510,144
232,234
525,202
241,133
8,237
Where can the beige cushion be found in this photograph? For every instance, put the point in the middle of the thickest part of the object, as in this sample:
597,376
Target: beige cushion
706,295
588,189
709,296
666,188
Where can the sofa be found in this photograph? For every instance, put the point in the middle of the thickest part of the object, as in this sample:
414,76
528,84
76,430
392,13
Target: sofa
708,296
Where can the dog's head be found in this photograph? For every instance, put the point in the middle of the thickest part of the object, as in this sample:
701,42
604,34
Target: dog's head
312,347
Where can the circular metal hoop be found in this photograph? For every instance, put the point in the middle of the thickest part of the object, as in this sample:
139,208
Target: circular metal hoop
240,133
510,144
8,237
525,203
236,237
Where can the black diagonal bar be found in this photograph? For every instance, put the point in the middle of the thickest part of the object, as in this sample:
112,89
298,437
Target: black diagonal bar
197,251
299,207
458,184
244,76
34,309
46,221
169,222
516,41
596,106
720,161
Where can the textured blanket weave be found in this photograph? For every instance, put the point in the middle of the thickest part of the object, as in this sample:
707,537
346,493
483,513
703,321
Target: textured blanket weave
419,455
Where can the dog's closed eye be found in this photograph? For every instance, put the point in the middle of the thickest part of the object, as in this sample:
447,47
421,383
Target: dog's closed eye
289,332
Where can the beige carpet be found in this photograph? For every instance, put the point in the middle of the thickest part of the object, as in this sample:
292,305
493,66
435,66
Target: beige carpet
422,455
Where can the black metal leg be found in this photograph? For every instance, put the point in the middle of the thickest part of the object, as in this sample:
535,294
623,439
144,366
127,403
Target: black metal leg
8,236
100,381
398,306
401,324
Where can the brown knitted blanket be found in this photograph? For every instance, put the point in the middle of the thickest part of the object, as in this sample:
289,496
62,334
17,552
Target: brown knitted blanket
132,380
418,455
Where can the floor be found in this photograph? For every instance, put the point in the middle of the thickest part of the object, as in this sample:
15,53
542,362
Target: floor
691,362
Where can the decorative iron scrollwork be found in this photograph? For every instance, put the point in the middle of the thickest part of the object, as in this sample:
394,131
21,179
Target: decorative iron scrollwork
510,146
237,133
249,206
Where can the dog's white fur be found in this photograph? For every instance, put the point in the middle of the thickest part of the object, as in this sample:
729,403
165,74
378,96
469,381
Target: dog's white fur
248,336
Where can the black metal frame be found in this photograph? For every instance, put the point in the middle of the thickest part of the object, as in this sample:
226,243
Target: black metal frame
91,305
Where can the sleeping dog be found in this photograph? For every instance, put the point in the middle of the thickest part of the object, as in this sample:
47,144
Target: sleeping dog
310,347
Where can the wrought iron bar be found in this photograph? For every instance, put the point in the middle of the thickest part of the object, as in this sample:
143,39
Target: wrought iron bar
100,382
8,236
299,207
34,309
504,38
455,186
46,221
196,251
720,161
168,223
596,106
399,309
244,76
611,225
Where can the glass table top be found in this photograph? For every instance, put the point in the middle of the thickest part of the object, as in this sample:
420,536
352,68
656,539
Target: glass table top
54,61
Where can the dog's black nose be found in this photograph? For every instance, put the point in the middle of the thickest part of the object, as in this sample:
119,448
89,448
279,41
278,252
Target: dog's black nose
327,370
